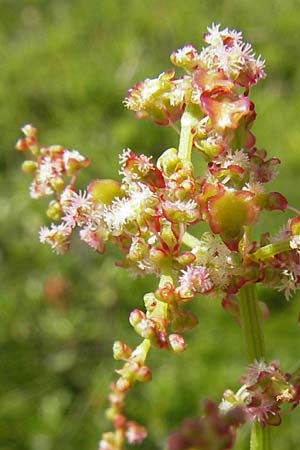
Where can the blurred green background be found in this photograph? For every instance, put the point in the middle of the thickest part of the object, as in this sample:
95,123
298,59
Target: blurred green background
66,67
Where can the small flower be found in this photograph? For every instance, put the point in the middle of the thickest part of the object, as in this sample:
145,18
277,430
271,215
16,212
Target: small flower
295,243
73,161
263,410
57,237
108,442
288,283
135,432
254,370
29,141
77,208
160,99
138,165
195,280
256,188
48,177
181,211
95,238
237,158
177,343
186,57
215,37
121,350
227,52
29,130
128,209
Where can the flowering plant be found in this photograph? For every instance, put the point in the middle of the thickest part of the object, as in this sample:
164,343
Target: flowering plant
148,214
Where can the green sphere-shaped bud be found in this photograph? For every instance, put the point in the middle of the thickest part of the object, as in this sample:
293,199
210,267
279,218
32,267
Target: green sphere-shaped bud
168,161
54,211
29,166
104,191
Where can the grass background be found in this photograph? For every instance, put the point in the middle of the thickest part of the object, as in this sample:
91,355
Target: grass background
65,67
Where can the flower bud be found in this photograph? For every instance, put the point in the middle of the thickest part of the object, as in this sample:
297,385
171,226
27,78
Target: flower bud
185,57
135,433
123,384
137,250
156,256
104,191
108,441
29,130
165,293
150,301
121,350
74,161
168,161
168,236
110,413
294,225
29,166
211,148
31,141
143,374
136,316
146,328
22,145
54,210
186,258
119,421
58,184
177,343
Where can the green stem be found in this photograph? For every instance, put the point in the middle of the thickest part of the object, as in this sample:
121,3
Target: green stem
186,135
260,438
272,249
255,346
251,324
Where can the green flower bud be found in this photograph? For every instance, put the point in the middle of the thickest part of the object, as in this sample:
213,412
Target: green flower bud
104,191
29,166
54,211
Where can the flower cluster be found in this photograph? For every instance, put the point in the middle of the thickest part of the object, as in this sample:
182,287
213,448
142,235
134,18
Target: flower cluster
263,397
211,87
148,212
125,429
52,165
279,258
266,395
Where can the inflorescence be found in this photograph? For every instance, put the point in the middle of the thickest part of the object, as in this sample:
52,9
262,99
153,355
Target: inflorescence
148,213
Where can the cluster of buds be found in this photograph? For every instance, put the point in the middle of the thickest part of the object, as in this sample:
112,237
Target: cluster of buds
211,87
134,369
148,213
51,166
279,258
266,395
124,429
163,311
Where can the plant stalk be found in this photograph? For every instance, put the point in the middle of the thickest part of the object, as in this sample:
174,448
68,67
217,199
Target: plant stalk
255,347
186,135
